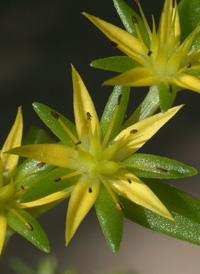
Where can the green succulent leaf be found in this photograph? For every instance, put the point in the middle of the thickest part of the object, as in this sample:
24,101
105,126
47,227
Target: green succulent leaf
46,185
115,63
147,108
126,14
195,72
37,136
111,220
151,166
110,108
183,206
44,112
166,96
29,172
36,236
189,16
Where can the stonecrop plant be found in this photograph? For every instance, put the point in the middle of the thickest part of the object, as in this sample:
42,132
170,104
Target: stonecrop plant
162,57
96,162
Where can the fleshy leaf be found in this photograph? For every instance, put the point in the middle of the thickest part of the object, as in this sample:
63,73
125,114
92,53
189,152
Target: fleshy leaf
36,236
46,185
126,14
167,96
158,167
30,171
183,206
110,108
115,63
111,219
189,16
36,136
44,112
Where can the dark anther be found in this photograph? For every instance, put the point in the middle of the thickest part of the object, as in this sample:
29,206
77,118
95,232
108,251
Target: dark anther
29,226
135,21
161,169
189,65
129,180
173,3
149,53
119,99
78,143
113,44
57,179
41,164
90,189
169,88
137,1
55,115
119,206
133,131
89,116
21,188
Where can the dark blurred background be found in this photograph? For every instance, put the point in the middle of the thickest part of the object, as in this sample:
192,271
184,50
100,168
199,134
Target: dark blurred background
39,40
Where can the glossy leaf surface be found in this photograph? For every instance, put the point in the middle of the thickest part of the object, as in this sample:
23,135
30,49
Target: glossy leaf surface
183,206
110,108
36,236
126,14
151,166
47,185
115,63
44,112
111,219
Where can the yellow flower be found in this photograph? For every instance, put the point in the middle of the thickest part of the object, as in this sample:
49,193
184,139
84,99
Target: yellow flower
165,62
95,161
8,193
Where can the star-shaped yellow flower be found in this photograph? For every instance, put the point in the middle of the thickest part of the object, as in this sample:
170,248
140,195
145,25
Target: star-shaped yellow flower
165,62
95,161
9,194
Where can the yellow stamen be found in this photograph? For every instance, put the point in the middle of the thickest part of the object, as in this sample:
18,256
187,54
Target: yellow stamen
90,187
28,225
21,189
118,204
144,20
107,136
183,69
150,60
39,165
57,116
135,22
89,118
75,173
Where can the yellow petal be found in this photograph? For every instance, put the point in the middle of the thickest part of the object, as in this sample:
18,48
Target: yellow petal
169,19
187,81
53,154
82,105
139,193
134,77
13,140
144,130
3,226
46,200
80,203
125,41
